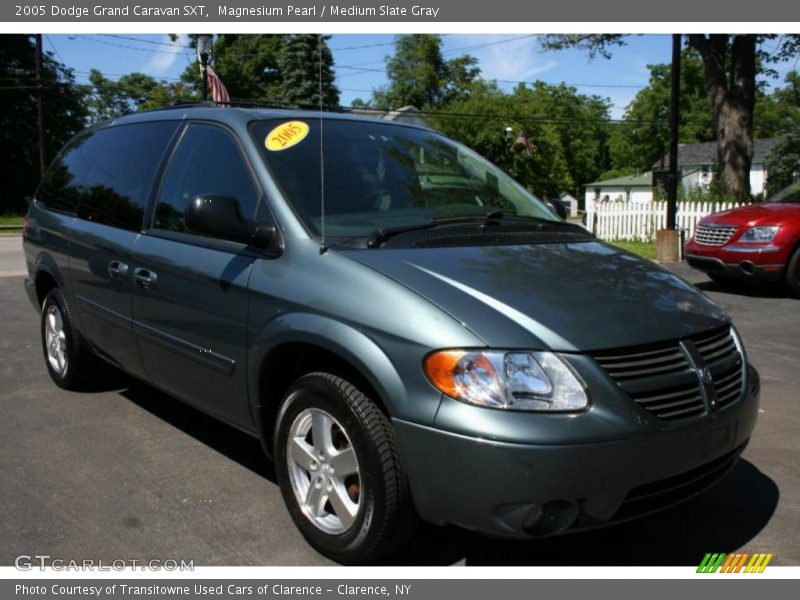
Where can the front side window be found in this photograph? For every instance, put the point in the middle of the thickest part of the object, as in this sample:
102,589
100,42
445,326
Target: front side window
206,161
380,175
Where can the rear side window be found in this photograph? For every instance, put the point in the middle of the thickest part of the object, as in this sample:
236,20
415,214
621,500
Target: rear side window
206,161
117,185
60,188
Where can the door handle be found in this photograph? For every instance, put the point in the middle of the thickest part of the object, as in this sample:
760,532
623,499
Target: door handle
144,278
117,270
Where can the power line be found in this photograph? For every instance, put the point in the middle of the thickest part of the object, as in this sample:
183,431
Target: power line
146,41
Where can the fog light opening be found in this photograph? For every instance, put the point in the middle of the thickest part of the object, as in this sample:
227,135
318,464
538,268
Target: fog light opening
747,267
550,518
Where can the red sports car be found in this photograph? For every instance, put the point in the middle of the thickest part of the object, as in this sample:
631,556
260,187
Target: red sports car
756,241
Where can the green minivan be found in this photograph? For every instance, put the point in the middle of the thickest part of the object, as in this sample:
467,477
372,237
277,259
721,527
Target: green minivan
408,331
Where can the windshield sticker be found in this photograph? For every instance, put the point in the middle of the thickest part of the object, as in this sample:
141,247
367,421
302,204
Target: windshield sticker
286,135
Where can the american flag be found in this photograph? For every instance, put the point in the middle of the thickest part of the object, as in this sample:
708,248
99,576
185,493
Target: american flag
218,92
525,142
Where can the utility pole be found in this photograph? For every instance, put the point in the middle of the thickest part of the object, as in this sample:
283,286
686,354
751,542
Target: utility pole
674,119
668,240
39,103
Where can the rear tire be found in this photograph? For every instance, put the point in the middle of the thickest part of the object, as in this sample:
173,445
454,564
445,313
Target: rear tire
792,277
364,510
69,360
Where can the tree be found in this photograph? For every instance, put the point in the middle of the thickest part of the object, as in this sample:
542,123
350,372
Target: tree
567,132
783,163
248,65
637,143
730,68
780,110
64,116
419,75
107,99
302,76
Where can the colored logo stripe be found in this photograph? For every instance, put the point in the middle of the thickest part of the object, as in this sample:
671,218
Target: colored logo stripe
734,563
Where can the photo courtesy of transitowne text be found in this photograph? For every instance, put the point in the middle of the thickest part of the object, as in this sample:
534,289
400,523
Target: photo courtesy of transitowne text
399,300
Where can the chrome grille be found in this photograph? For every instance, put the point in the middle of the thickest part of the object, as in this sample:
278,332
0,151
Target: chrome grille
677,403
728,386
716,346
663,380
643,363
711,234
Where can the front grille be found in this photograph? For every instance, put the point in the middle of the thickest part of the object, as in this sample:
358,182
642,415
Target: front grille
639,363
716,346
728,386
677,403
710,234
663,378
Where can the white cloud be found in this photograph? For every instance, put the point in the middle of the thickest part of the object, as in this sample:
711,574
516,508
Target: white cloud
514,60
161,61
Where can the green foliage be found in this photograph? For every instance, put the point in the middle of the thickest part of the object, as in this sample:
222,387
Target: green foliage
64,115
248,65
300,72
131,93
783,163
567,132
780,111
419,75
644,138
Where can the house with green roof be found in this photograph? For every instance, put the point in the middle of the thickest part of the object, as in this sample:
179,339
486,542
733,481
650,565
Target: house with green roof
631,188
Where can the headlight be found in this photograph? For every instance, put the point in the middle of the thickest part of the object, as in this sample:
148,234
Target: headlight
511,380
759,235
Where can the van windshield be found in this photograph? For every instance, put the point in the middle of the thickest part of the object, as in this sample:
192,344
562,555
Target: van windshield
384,176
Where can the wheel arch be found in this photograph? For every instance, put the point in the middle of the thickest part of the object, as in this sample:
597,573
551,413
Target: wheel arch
299,343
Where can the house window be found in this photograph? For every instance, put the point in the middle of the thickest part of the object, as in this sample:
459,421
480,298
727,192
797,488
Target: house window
705,170
627,194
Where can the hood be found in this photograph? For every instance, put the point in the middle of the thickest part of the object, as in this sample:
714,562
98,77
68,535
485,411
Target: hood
763,213
566,297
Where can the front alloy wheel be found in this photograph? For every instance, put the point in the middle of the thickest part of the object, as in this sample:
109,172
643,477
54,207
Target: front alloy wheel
341,471
323,470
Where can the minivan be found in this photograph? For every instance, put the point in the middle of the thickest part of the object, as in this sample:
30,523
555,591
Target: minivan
408,331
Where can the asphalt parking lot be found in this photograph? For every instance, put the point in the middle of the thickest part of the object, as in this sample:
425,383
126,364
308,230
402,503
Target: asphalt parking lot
126,472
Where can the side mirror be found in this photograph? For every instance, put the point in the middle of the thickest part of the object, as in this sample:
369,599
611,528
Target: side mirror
557,208
221,217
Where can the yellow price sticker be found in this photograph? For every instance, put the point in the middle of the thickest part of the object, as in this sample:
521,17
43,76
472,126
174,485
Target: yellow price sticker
286,135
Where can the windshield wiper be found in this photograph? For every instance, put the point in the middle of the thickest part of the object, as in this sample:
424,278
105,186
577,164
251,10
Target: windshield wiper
381,235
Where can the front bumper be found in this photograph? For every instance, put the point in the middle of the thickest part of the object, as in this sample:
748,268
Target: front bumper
531,490
735,260
745,269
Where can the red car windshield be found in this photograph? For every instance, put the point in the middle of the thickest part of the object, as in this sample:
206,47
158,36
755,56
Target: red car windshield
787,194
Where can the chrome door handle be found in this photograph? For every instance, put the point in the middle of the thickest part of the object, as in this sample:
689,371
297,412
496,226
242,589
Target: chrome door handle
144,278
117,270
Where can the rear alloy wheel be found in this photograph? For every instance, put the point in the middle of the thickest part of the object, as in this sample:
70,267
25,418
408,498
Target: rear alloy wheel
341,472
68,358
793,274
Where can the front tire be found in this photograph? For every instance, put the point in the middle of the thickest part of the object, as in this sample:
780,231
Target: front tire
68,358
341,472
793,274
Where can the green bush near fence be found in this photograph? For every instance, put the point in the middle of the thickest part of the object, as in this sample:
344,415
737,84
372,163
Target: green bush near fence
716,192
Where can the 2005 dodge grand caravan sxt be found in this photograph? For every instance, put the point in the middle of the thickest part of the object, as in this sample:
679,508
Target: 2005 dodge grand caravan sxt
433,343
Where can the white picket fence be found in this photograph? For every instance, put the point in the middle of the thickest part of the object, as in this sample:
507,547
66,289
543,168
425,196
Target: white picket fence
639,221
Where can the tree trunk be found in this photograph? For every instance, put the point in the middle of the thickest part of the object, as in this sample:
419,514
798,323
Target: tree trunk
730,73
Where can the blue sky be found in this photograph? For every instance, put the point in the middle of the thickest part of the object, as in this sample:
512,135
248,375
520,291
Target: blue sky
359,61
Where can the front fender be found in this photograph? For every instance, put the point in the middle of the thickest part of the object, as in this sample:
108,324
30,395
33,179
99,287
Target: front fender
341,339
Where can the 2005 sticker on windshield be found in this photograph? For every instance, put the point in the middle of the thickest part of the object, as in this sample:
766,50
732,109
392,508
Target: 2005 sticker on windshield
286,135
